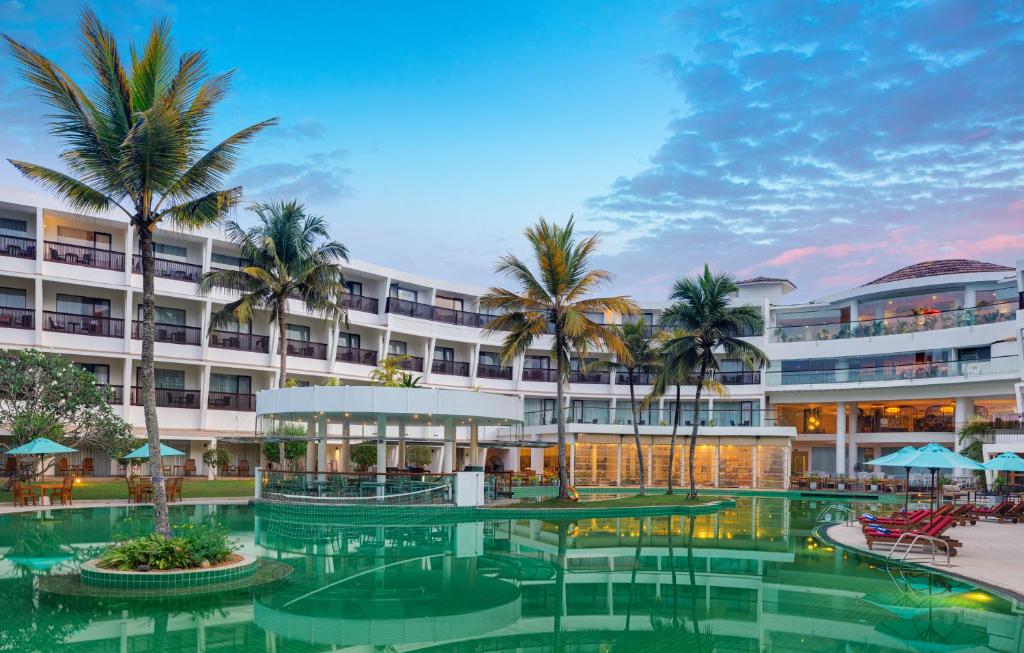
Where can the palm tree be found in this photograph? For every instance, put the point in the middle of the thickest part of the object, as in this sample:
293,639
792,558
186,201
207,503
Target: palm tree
639,356
700,308
287,256
135,143
556,302
676,368
390,373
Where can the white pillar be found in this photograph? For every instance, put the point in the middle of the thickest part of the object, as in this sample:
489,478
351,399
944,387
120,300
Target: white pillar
401,445
962,412
382,452
449,445
851,455
310,458
346,446
474,444
321,445
841,437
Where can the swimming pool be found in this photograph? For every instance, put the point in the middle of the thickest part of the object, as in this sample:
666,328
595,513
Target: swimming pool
750,577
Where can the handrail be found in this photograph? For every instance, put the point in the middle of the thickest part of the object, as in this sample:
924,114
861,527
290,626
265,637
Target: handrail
178,334
307,349
359,302
17,247
90,257
90,325
826,513
916,537
437,313
169,269
356,355
451,368
240,341
895,372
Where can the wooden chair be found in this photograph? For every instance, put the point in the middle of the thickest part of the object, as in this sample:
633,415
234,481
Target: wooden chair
88,468
62,467
190,467
10,466
21,495
64,491
174,489
243,467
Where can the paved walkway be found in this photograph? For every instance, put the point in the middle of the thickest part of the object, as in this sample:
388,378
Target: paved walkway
991,553
7,508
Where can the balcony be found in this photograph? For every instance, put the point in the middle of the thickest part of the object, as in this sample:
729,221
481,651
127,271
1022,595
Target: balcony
172,333
494,372
451,368
307,349
360,303
730,417
654,330
927,321
88,257
745,377
935,370
540,374
89,325
240,341
169,269
17,247
411,363
579,376
356,356
437,313
639,378
231,401
17,318
116,397
169,397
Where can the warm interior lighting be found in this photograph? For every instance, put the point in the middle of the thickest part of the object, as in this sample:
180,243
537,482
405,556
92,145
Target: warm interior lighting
892,410
946,410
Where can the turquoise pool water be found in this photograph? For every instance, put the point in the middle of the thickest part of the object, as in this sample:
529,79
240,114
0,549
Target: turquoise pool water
747,578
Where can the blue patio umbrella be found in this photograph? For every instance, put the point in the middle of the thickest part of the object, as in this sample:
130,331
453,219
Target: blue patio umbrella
41,447
143,452
1005,462
935,457
899,458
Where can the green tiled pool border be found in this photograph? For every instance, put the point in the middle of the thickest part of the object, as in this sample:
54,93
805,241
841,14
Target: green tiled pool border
93,575
547,491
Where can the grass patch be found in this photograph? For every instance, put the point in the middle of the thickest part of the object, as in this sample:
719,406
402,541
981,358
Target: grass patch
193,488
636,501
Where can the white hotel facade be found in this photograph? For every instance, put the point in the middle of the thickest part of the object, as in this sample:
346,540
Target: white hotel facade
904,359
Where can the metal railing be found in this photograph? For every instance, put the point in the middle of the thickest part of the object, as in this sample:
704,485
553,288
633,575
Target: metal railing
932,544
169,397
17,318
909,371
307,349
639,378
116,396
231,401
360,303
494,372
108,327
355,488
623,415
356,355
169,269
89,257
240,341
437,313
930,320
17,247
411,363
173,333
452,368
541,374
579,376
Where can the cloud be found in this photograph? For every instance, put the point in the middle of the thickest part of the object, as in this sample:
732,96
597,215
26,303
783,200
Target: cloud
813,138
318,179
306,129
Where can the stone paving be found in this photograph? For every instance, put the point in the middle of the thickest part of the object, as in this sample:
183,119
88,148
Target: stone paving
7,508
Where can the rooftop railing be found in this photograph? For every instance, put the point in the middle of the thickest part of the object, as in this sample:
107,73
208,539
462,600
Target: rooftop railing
307,349
240,341
356,355
173,333
17,247
169,269
89,257
870,328
906,372
89,325
437,313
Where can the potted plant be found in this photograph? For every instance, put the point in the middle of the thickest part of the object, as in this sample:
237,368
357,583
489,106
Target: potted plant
873,483
215,459
840,483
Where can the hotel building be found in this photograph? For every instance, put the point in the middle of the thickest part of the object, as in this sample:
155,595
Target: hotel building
903,359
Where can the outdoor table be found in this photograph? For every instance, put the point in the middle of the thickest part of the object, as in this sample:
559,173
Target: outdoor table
370,485
44,497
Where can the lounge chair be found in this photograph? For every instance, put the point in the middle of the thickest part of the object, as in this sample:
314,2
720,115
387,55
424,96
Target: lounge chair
936,530
998,513
964,514
896,519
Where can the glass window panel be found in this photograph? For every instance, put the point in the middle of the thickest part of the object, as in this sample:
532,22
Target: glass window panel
490,358
405,294
297,332
354,287
169,379
13,226
165,315
771,467
397,348
13,298
454,303
823,460
169,251
78,305
101,372
735,466
538,362
351,340
595,464
703,465
444,354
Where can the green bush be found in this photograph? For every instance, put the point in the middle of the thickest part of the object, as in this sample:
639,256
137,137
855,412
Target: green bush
190,546
417,456
363,455
216,457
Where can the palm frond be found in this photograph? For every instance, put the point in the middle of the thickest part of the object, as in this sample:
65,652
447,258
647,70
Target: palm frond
78,196
202,212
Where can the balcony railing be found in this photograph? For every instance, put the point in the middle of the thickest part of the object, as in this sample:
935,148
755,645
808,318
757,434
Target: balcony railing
411,363
356,355
452,368
240,341
360,303
169,397
639,378
17,318
88,257
870,328
231,401
173,333
169,269
736,417
743,377
17,247
936,370
307,349
579,376
437,313
116,396
109,327
540,374
494,372
654,330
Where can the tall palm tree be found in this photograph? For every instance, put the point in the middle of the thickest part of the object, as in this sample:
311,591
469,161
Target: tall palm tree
676,368
135,143
555,302
701,309
287,256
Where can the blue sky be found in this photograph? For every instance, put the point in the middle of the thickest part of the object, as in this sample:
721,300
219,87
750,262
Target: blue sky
827,143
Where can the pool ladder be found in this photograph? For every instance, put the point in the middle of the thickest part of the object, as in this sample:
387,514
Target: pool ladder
915,539
825,516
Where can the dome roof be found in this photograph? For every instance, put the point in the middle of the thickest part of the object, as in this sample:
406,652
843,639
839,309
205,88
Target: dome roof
939,268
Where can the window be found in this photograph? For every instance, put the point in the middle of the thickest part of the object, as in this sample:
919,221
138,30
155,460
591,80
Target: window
405,294
13,226
167,379
297,332
995,296
397,348
164,315
538,363
454,303
101,372
490,358
175,251
226,260
231,383
917,304
731,365
596,318
12,298
351,340
974,354
444,354
235,327
540,411
84,237
78,305
354,288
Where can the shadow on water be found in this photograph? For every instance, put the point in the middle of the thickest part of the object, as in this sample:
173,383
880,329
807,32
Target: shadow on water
746,578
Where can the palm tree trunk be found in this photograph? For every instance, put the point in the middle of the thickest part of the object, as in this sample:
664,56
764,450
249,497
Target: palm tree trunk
696,425
632,577
636,430
147,383
282,350
672,446
563,471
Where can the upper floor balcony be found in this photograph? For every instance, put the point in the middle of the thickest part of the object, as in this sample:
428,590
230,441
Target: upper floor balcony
250,342
916,371
169,397
437,313
17,318
307,349
356,355
484,371
170,269
88,257
411,363
89,325
746,415
451,368
172,333
360,303
231,401
17,247
927,320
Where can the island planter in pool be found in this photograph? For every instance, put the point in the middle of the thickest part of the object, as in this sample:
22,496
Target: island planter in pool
93,574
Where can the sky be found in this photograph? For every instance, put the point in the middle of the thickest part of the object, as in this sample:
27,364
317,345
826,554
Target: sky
827,143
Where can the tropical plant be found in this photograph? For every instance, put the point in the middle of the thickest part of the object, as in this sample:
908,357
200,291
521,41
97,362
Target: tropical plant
189,547
701,310
417,456
135,143
287,439
410,381
288,257
216,458
390,373
364,456
555,302
971,438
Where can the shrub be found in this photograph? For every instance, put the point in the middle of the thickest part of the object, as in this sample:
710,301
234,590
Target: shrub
189,547
216,457
364,455
417,456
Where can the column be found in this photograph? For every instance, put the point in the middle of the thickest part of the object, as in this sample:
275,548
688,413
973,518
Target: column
474,444
755,480
572,461
346,446
618,463
851,454
382,452
962,411
841,437
310,456
321,445
209,468
449,445
401,444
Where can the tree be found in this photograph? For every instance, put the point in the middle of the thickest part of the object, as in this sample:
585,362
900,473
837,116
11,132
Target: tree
287,256
971,437
135,143
363,455
46,396
417,456
701,309
390,373
556,302
288,447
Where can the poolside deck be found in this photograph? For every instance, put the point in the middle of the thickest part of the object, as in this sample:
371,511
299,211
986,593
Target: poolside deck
990,555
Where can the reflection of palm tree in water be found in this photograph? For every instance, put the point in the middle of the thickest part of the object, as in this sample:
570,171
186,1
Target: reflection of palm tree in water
632,579
558,642
703,639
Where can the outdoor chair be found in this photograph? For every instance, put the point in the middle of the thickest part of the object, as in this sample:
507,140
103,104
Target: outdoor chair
54,325
174,488
243,467
22,495
936,529
63,492
10,466
62,467
88,468
998,513
190,467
